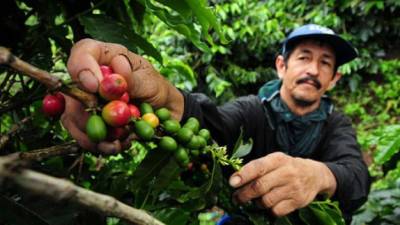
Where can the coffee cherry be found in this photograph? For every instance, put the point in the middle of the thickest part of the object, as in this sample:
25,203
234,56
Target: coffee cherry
53,105
113,86
116,113
96,128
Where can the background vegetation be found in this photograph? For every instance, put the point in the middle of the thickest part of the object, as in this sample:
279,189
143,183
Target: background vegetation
222,48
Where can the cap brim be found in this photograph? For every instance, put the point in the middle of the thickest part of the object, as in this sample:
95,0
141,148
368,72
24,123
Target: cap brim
344,51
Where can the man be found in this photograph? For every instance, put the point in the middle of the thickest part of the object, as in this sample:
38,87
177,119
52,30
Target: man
301,146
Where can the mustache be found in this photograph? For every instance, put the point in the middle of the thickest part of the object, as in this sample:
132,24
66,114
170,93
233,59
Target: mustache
314,80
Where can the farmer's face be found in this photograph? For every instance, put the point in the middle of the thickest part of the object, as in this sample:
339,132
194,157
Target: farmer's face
308,73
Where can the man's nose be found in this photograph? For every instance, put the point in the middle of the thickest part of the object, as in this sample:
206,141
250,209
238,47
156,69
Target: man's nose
313,68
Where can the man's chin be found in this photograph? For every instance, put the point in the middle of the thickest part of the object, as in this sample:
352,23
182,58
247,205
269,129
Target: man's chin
304,102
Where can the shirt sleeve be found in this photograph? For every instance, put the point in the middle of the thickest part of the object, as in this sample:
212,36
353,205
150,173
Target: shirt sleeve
341,153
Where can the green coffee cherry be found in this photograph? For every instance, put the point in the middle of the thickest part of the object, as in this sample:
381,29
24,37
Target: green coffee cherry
171,126
167,143
184,135
205,134
193,124
163,114
145,108
144,130
96,128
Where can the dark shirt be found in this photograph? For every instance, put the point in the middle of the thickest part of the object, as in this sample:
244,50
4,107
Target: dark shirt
337,148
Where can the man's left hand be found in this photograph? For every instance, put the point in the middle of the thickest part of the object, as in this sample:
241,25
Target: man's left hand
282,183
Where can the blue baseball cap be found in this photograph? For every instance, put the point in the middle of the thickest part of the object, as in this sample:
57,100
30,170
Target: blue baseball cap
344,51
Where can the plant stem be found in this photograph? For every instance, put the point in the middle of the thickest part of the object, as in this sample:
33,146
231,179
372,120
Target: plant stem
57,150
64,190
53,83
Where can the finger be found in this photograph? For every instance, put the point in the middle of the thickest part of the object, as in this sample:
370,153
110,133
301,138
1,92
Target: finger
121,65
153,90
136,62
109,148
261,186
76,126
257,168
276,195
77,134
144,82
85,58
75,112
83,66
128,62
284,207
128,141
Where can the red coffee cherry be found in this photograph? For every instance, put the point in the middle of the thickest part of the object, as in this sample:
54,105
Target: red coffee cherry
113,86
53,105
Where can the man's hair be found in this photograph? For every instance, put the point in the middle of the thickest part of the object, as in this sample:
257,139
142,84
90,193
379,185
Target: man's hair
290,48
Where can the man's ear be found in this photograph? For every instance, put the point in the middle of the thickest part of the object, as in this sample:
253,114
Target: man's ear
335,79
280,66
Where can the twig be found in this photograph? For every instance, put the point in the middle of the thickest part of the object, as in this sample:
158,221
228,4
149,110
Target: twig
51,82
15,128
2,85
8,86
64,190
77,161
57,150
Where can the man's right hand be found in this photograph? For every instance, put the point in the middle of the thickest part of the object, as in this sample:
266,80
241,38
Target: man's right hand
144,84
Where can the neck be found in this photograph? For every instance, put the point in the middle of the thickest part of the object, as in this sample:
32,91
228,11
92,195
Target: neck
295,107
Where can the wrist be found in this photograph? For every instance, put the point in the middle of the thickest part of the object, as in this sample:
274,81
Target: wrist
328,181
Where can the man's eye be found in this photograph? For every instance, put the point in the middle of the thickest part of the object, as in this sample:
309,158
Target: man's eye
326,63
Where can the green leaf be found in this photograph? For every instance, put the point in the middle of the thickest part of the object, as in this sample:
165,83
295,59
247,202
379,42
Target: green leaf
178,5
322,216
179,23
137,10
176,216
238,142
335,214
240,148
198,9
201,192
207,19
257,218
55,163
195,204
283,221
364,217
175,67
321,212
107,29
149,168
385,155
243,149
306,215
167,175
215,82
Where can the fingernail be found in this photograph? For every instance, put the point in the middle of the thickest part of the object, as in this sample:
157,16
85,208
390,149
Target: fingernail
234,181
127,62
88,81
